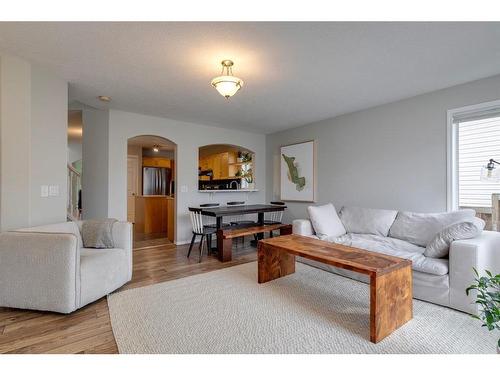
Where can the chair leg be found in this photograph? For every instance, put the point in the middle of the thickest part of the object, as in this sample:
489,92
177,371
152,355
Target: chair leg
191,246
201,246
271,234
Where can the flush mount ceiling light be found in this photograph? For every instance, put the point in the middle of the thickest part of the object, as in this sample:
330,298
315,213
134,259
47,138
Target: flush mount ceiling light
156,148
226,84
104,98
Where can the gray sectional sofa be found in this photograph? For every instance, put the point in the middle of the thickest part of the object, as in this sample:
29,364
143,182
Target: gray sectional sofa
419,237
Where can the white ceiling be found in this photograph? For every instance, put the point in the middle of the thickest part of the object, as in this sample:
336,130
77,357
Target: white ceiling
294,73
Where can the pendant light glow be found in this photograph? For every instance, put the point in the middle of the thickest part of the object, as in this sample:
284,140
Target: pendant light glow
226,84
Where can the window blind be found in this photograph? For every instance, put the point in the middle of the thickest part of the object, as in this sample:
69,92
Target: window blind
478,141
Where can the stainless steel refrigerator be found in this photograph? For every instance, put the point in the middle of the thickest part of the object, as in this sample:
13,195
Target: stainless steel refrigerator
156,181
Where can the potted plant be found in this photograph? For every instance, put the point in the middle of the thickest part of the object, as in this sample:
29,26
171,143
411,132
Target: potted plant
246,157
488,299
247,176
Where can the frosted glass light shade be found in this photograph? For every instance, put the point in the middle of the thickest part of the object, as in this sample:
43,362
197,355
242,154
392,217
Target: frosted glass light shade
227,86
490,174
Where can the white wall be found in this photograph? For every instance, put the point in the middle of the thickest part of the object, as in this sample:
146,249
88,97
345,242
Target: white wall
15,136
390,156
74,151
49,124
95,145
188,137
33,122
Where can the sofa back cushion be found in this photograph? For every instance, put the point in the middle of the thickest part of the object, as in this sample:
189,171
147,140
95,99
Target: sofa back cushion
325,220
439,247
66,227
367,220
420,229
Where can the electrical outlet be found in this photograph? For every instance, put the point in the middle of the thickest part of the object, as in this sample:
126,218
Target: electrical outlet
44,191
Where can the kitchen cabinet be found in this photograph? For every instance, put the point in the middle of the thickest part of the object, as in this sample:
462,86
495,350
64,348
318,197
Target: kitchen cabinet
154,215
156,162
220,164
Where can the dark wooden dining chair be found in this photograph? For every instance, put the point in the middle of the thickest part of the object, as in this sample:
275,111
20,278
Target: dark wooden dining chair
200,230
275,217
239,220
210,222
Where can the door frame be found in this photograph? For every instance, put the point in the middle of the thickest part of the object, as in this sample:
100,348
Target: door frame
135,159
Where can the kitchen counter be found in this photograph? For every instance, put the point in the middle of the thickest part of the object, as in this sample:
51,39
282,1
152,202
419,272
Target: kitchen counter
227,190
155,196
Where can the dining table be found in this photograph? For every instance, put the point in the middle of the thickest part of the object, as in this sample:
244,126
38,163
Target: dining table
220,212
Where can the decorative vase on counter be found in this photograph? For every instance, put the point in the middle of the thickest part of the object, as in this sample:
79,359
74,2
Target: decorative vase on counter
251,185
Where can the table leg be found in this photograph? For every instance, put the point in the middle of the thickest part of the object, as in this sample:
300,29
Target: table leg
391,303
273,263
260,221
224,246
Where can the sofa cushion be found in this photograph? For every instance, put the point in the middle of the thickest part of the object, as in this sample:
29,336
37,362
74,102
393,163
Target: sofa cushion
397,248
325,220
367,220
101,271
440,245
66,227
420,229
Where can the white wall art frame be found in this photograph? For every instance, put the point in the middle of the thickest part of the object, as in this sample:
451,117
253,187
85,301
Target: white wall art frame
298,172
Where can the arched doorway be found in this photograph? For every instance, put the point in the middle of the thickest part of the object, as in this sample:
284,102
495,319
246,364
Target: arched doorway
151,189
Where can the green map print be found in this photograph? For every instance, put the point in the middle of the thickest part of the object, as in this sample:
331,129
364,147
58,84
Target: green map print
293,173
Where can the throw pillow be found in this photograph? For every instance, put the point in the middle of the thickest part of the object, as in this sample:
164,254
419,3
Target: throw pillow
440,246
325,220
367,220
419,229
98,233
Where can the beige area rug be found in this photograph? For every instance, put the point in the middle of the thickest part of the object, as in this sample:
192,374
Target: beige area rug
311,311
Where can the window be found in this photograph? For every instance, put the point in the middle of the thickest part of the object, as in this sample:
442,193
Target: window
473,139
478,141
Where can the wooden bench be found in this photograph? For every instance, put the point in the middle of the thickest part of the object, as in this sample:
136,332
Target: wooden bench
225,236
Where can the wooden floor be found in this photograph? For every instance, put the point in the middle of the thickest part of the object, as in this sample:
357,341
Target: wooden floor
88,330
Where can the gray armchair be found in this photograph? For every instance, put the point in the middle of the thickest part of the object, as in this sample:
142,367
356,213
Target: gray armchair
47,268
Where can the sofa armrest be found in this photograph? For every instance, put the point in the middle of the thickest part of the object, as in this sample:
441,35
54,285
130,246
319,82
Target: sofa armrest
40,271
302,227
481,253
122,238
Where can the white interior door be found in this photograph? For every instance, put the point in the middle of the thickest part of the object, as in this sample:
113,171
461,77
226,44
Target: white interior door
132,186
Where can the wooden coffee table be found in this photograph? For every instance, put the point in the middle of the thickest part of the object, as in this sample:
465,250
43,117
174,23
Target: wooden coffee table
391,303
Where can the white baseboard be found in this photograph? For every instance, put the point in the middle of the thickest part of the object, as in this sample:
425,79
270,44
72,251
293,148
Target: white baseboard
183,242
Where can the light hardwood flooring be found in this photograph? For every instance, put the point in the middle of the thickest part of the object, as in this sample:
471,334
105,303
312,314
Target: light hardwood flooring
88,330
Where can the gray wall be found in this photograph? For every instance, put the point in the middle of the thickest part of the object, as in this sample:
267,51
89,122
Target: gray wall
390,156
95,163
33,122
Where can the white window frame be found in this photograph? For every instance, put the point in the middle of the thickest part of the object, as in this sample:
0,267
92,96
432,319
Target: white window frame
452,149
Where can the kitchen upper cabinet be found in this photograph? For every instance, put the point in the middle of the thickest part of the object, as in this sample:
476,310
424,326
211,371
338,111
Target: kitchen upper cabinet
156,162
219,164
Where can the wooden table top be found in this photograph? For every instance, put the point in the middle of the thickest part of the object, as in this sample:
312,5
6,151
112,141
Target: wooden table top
237,210
346,257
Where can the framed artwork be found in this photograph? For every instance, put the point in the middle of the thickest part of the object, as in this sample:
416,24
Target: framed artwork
298,164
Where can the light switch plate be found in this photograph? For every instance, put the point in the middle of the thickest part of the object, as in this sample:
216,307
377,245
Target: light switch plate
44,191
54,190
184,189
